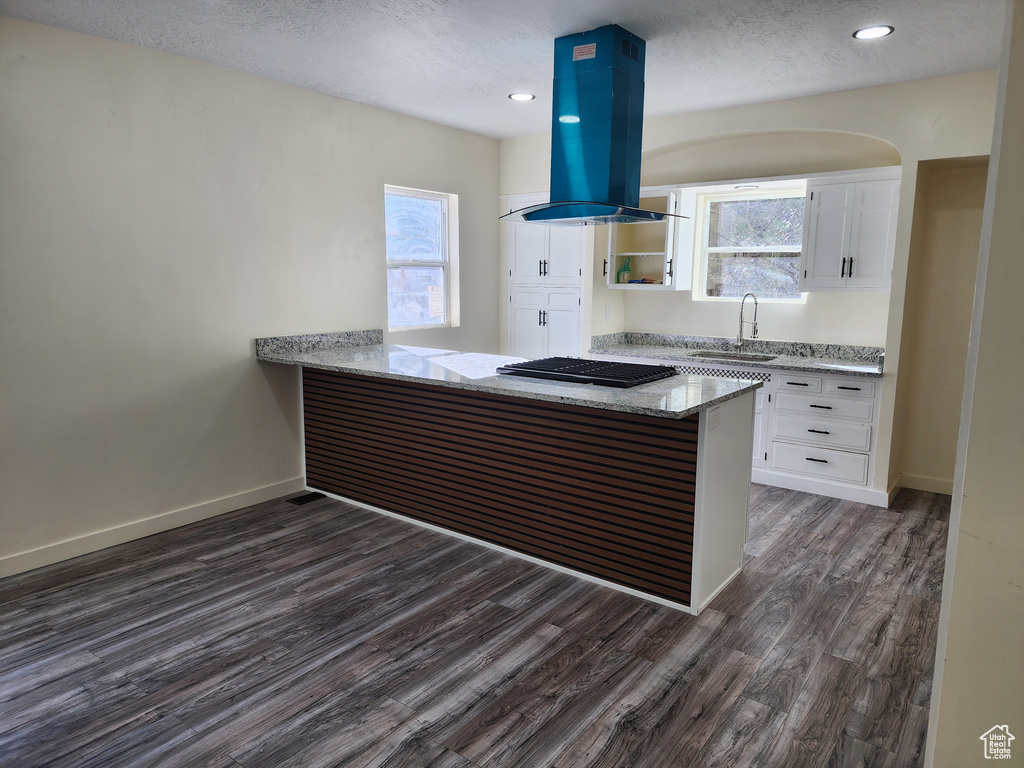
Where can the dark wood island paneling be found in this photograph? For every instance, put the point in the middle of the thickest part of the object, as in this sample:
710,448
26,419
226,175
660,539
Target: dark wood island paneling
606,493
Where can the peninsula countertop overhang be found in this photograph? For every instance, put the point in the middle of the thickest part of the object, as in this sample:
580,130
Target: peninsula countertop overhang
675,398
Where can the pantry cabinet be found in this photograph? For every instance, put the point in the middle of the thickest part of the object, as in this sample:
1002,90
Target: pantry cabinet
545,287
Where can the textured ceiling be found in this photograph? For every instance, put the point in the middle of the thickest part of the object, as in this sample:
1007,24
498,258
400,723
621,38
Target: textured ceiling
455,61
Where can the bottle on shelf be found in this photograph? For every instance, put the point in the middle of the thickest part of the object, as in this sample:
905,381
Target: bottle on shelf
622,276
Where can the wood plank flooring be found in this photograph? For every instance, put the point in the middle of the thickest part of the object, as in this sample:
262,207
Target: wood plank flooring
325,635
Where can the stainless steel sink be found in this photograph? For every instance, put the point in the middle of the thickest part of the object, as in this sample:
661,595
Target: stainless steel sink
716,355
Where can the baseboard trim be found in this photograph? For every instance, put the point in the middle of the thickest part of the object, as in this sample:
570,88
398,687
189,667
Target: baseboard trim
895,488
21,562
862,494
925,483
707,600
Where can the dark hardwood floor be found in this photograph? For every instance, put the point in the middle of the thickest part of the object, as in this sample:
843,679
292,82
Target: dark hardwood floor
325,635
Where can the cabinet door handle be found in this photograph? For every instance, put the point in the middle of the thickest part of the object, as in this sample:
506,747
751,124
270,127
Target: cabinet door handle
546,266
843,273
851,266
820,461
604,271
669,268
819,431
540,268
854,389
823,407
540,317
797,384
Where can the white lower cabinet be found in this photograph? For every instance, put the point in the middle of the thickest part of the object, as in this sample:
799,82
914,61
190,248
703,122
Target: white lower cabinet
851,437
820,462
825,406
821,436
544,322
812,432
529,337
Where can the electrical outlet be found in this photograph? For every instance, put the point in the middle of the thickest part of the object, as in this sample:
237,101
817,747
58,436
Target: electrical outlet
714,418
607,311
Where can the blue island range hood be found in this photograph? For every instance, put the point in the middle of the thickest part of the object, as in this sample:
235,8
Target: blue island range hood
596,131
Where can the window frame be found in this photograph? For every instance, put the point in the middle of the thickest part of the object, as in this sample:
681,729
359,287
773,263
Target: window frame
705,196
449,264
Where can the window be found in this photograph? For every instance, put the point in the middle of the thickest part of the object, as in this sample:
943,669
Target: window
750,242
421,241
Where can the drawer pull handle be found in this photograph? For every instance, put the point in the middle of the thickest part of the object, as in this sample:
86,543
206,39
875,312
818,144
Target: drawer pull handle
797,384
823,407
855,389
819,431
820,461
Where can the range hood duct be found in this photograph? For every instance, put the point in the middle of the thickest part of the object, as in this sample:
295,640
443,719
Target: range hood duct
596,131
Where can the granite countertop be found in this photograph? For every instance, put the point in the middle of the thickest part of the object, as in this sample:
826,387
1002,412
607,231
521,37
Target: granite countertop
790,356
362,353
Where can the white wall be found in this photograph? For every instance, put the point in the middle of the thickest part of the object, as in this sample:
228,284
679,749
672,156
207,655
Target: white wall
157,214
920,120
980,675
937,319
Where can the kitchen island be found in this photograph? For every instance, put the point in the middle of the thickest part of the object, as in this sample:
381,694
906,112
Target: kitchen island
644,489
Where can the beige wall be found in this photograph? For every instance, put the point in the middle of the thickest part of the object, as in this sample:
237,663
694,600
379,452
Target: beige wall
156,214
980,679
919,120
937,319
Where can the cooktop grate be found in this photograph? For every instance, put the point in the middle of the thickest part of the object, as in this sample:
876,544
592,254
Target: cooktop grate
601,372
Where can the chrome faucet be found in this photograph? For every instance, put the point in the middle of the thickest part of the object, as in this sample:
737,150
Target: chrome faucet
753,324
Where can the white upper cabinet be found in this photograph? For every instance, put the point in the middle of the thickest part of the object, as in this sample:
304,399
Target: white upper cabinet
849,234
827,222
565,254
873,235
660,253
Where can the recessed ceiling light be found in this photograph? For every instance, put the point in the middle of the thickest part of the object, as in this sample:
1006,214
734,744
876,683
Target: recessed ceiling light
522,96
873,33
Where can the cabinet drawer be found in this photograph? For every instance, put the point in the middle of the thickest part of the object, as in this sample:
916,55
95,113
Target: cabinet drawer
798,383
825,407
528,296
820,462
829,434
851,387
563,297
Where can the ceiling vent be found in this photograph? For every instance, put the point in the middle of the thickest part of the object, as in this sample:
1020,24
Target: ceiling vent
596,131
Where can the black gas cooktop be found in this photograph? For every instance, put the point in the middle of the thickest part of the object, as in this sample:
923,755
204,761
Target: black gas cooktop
601,372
